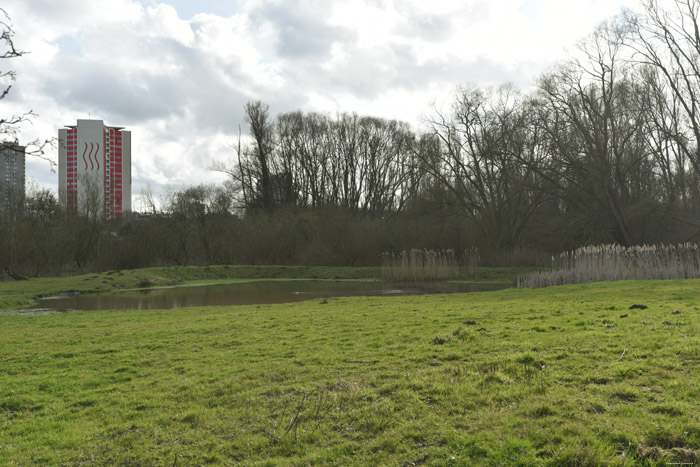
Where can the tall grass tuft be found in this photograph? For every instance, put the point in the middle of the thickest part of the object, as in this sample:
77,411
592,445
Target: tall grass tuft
420,265
615,262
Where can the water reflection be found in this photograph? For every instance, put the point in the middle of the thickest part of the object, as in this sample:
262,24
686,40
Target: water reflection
250,293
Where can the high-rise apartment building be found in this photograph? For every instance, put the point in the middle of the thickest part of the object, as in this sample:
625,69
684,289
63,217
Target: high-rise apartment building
12,169
94,168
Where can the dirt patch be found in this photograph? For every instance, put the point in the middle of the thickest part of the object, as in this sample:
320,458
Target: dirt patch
685,455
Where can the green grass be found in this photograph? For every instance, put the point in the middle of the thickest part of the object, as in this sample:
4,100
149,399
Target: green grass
560,376
503,274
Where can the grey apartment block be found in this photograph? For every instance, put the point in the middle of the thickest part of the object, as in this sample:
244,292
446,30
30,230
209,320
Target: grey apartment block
12,167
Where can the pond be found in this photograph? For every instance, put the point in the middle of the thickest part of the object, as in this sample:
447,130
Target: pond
249,293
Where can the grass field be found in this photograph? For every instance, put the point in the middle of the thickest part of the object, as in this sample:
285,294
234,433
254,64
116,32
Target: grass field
560,376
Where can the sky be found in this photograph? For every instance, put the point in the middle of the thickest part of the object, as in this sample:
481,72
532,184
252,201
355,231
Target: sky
177,73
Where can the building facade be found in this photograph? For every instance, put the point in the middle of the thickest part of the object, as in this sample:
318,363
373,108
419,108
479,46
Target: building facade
94,168
12,168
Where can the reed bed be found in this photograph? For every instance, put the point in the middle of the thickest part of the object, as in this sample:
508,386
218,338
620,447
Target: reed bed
420,265
472,260
615,262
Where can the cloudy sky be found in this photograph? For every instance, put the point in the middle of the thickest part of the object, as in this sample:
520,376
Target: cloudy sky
178,72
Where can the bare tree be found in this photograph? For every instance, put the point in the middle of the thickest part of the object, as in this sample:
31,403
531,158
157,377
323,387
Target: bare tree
262,131
668,39
665,39
11,216
488,161
200,219
88,222
148,204
669,140
591,124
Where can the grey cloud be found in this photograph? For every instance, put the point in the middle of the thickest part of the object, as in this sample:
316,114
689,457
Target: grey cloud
62,11
135,95
218,109
90,87
283,101
300,29
432,28
367,74
411,75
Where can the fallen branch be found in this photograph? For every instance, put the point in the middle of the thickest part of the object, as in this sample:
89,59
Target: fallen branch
623,354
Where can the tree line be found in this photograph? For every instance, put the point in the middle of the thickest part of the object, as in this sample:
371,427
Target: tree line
603,149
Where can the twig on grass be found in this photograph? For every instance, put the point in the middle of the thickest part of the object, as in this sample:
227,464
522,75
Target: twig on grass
623,354
295,421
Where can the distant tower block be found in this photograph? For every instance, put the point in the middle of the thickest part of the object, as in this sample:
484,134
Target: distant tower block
94,168
11,169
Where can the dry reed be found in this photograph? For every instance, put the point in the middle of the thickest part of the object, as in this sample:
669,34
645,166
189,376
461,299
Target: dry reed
615,262
472,259
420,265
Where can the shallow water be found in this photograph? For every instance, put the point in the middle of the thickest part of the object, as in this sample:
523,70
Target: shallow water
247,293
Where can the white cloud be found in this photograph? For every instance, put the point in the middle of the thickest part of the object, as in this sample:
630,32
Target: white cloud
178,79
